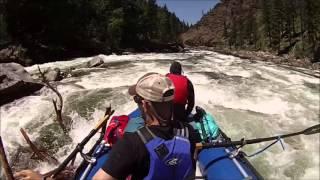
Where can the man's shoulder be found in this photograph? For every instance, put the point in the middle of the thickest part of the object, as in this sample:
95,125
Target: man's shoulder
130,136
134,124
130,143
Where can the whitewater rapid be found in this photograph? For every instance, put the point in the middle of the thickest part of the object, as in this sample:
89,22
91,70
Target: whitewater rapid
248,98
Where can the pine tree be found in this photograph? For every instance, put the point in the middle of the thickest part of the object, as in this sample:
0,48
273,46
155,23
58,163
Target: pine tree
3,24
266,5
313,22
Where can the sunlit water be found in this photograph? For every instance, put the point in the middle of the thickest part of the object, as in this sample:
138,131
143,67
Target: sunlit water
248,99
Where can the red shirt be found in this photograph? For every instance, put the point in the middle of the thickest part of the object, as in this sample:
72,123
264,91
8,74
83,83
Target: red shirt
180,83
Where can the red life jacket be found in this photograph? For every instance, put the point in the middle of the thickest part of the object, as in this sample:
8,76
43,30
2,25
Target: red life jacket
180,83
115,129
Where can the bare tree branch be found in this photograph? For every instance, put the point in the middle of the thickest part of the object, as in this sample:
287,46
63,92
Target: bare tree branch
58,109
41,154
59,115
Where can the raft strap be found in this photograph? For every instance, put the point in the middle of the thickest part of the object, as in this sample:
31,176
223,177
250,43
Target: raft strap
236,162
91,160
267,147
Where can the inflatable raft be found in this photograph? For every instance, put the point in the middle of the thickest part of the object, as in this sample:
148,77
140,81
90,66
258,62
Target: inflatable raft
213,163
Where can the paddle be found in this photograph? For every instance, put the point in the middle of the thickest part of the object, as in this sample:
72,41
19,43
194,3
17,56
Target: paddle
4,162
311,130
103,131
80,146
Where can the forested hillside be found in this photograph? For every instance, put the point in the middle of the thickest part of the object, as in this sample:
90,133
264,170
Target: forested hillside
280,26
56,29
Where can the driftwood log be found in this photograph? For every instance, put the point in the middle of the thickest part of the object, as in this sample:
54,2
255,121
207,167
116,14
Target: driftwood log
37,153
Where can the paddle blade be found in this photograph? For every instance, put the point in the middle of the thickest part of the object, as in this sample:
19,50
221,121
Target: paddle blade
108,110
312,130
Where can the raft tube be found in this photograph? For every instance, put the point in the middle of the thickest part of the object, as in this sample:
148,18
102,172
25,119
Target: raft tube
214,163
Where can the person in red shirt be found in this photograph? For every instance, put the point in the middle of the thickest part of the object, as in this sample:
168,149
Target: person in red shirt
184,92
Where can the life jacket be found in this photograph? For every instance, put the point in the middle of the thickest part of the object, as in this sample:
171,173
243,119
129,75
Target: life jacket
115,129
208,128
206,125
180,83
169,159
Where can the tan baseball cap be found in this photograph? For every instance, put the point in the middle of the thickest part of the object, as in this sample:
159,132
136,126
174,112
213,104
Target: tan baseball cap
153,87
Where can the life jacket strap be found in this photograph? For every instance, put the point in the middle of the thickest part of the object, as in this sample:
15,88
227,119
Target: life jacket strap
182,131
145,134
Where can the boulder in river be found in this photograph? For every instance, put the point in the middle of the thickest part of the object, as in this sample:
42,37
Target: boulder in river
53,74
15,53
96,61
15,82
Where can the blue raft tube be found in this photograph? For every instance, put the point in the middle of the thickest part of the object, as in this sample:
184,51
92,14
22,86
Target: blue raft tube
214,163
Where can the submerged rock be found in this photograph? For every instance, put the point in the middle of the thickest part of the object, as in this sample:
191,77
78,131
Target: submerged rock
15,82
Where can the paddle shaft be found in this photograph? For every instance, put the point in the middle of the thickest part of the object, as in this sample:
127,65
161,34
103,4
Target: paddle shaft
81,144
103,131
308,131
4,162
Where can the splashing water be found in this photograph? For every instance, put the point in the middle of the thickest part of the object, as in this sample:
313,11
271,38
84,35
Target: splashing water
248,99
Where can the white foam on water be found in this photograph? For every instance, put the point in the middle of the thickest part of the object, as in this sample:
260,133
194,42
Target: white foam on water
270,100
239,72
311,173
20,113
107,79
218,96
143,57
58,64
103,80
108,59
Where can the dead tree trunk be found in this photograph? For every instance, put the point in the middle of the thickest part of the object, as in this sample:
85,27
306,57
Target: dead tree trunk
57,107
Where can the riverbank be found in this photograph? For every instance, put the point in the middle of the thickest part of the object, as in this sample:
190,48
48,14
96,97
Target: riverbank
267,57
285,61
27,56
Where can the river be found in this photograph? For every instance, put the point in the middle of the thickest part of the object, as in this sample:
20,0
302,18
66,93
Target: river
249,99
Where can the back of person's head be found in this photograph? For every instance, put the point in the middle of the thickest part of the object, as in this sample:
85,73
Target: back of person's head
159,91
176,68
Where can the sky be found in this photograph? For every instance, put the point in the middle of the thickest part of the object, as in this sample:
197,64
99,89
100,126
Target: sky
188,10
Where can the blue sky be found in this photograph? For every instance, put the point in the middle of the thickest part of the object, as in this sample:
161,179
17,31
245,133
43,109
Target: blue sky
188,10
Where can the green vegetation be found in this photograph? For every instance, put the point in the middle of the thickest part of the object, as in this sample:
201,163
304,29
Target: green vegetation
3,25
282,26
89,27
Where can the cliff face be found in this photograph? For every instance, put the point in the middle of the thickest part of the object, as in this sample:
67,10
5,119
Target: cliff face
212,28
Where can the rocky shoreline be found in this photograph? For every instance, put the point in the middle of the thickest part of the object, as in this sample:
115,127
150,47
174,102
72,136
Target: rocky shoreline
16,82
27,56
286,60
